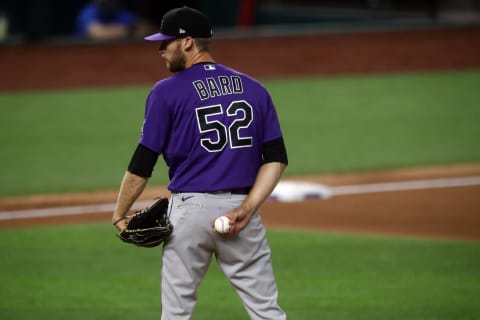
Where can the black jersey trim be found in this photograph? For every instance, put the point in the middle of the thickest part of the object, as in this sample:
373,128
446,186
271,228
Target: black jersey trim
274,151
143,161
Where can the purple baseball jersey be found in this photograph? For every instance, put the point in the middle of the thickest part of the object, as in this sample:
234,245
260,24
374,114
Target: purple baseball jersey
209,122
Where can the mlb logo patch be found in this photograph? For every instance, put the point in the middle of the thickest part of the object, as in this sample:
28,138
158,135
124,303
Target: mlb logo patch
209,67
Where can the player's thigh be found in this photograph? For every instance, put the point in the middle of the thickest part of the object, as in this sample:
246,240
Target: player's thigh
189,248
248,249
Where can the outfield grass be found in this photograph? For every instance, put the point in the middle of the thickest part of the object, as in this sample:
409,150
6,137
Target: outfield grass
364,123
83,139
84,272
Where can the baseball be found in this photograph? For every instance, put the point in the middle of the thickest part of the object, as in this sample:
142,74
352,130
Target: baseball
222,224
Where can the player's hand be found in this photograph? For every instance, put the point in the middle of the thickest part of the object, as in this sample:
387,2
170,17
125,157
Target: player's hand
120,225
239,218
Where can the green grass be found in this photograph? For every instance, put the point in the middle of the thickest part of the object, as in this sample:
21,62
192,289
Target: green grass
84,272
83,139
375,122
70,140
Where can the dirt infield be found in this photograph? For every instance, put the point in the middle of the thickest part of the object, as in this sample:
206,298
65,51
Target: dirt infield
448,212
441,212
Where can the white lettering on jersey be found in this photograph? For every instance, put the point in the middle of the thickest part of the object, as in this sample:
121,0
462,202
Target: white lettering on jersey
219,86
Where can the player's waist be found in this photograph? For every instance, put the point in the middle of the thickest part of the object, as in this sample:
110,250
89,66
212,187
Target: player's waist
245,190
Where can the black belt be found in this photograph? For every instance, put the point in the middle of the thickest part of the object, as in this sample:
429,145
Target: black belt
232,191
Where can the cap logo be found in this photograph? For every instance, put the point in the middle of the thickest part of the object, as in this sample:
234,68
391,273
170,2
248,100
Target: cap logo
182,31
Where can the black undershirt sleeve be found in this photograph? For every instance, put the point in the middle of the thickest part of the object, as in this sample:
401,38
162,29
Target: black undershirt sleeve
274,151
143,161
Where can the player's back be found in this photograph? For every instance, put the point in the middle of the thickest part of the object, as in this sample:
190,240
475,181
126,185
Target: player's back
219,120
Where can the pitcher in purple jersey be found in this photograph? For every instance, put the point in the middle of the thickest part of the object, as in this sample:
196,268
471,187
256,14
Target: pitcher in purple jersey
218,132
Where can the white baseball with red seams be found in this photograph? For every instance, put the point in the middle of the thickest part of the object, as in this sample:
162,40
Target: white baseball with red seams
222,224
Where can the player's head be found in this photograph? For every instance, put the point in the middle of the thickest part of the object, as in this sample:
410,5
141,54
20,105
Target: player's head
182,30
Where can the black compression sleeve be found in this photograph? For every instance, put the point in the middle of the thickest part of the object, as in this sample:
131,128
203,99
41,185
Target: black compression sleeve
143,161
274,151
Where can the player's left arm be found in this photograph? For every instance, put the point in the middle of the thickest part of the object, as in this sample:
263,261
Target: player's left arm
274,163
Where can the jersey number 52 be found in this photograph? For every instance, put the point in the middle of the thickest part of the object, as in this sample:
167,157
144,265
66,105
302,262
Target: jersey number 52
240,110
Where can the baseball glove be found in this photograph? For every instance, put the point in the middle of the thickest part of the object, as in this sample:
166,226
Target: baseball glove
149,227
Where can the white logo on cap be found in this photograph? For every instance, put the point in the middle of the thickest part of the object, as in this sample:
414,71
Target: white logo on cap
181,31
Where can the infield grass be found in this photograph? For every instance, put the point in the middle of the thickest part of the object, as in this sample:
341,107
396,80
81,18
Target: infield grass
85,272
73,140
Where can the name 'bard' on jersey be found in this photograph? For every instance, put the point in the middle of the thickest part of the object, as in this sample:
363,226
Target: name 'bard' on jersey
211,133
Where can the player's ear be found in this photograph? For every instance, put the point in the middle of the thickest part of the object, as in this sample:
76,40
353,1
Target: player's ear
188,43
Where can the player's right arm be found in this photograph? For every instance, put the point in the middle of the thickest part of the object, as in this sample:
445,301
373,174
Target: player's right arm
133,183
131,188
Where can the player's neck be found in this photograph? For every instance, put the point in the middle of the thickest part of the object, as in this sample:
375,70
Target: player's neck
200,57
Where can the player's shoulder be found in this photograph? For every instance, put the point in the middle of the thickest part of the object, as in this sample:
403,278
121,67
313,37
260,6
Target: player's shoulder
236,72
247,79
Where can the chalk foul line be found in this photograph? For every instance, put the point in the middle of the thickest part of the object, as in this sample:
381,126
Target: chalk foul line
335,191
65,211
406,185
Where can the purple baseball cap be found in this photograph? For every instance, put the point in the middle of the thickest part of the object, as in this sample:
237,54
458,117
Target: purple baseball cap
181,23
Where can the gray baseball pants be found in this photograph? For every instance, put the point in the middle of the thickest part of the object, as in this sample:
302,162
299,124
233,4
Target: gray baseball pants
244,258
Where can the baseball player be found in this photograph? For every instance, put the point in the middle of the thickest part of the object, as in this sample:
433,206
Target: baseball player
218,132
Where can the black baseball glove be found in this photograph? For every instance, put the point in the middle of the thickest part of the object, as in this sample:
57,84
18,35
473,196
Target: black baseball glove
149,227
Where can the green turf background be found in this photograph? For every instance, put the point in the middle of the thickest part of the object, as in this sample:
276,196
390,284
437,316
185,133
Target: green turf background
83,139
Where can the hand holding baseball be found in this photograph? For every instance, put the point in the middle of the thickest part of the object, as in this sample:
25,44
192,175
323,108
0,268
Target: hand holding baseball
222,225
237,219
